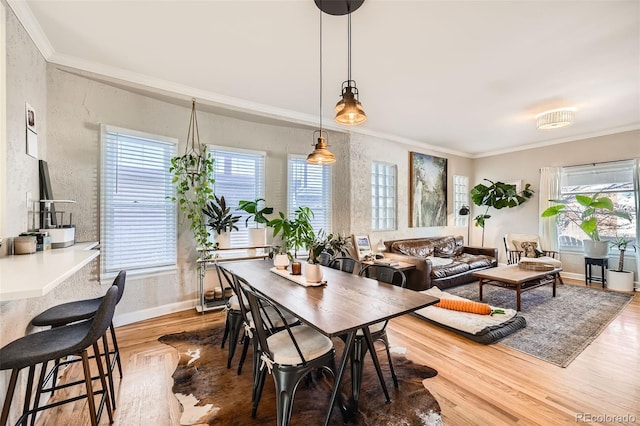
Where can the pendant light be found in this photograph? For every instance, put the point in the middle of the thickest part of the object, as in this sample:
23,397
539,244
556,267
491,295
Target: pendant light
349,110
321,154
193,149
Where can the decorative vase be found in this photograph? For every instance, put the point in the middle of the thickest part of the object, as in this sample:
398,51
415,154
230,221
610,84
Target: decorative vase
281,261
313,273
596,249
620,280
223,239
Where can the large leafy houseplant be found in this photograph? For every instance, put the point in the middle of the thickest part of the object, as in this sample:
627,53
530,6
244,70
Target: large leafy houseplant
295,233
255,212
497,195
193,191
589,213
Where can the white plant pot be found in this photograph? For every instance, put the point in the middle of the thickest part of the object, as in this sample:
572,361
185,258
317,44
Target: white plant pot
281,261
257,237
620,281
313,273
223,239
595,249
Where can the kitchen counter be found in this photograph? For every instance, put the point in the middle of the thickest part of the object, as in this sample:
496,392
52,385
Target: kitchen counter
34,275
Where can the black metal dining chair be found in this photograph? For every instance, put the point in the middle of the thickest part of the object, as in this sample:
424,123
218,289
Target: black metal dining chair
378,330
289,355
40,348
346,264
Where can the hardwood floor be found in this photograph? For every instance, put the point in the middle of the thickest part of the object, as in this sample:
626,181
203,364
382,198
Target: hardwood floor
475,385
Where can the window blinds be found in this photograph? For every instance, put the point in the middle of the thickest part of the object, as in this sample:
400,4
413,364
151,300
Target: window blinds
138,220
310,186
239,175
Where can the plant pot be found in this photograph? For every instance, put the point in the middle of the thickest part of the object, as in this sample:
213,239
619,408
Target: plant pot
597,249
620,280
223,239
257,237
313,273
281,261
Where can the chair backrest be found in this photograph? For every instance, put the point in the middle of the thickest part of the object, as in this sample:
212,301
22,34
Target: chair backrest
345,264
102,319
324,258
119,282
258,304
385,274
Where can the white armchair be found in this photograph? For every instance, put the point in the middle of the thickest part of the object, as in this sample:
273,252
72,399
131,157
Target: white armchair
527,246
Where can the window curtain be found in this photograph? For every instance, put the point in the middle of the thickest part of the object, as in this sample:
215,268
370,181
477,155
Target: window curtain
636,187
549,190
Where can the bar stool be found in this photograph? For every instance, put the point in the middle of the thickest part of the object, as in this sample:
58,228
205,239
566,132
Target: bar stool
51,345
67,313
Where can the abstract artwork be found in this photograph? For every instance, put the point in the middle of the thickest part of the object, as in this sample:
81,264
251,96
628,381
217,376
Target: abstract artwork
428,191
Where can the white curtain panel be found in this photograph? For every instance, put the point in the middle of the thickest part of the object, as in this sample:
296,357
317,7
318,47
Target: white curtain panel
636,186
549,190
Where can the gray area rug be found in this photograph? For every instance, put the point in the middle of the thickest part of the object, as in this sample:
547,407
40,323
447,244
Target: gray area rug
558,329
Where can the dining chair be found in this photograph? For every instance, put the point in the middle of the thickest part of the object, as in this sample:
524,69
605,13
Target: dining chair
290,355
234,320
378,330
40,348
345,264
324,258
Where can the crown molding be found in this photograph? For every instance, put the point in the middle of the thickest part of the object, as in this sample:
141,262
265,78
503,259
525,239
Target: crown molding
32,27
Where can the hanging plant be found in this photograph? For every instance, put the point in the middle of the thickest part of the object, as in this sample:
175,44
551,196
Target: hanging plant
497,195
193,191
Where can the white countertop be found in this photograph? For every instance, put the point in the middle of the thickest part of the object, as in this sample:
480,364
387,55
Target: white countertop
34,275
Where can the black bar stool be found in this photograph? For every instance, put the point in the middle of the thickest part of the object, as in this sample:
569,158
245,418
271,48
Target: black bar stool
67,313
53,344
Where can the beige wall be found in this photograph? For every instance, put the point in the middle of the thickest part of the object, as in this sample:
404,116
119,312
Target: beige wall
526,165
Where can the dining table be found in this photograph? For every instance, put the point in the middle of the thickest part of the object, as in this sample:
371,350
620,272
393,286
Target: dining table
339,306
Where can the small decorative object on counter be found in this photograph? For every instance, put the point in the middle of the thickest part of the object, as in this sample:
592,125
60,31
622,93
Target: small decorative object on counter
24,245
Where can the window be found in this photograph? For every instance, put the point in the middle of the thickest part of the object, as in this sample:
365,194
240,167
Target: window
383,196
137,219
460,198
239,175
310,186
614,180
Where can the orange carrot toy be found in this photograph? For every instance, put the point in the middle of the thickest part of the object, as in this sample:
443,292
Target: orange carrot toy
468,306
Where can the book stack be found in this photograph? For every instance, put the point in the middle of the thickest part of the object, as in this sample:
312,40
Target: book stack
386,262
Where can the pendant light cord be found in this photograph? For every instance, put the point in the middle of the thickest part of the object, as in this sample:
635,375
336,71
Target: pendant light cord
349,46
320,73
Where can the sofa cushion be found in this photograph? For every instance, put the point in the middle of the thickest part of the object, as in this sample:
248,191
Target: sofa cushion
454,268
448,246
475,261
417,248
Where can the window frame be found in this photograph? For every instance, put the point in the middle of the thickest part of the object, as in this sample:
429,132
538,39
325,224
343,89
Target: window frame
376,197
327,180
108,272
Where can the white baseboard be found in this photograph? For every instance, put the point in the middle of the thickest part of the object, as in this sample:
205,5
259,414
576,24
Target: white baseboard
131,317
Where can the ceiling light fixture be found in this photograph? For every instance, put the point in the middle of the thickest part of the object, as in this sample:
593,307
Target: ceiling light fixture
321,154
193,149
555,118
349,110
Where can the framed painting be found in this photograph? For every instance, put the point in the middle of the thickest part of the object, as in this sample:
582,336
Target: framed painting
428,190
362,243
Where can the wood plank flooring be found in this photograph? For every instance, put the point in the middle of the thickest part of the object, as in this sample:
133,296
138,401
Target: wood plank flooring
475,385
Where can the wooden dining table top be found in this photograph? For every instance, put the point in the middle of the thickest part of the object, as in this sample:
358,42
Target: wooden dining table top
345,303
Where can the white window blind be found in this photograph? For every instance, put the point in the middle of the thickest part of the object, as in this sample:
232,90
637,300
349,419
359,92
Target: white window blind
383,196
239,175
309,185
460,198
138,221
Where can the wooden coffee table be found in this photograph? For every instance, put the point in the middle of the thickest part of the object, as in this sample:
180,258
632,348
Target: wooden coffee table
513,277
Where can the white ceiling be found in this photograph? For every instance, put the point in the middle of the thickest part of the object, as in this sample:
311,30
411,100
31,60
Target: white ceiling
463,76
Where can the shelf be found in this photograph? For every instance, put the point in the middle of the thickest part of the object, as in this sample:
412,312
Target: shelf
232,259
234,248
215,305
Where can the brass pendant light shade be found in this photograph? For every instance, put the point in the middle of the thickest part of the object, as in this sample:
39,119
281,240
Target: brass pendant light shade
321,155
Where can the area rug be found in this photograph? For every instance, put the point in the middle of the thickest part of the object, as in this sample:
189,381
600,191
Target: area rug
558,329
211,394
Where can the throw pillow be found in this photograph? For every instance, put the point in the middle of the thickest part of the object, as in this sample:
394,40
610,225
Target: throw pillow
528,248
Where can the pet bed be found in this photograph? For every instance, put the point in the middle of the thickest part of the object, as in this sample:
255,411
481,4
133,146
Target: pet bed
483,329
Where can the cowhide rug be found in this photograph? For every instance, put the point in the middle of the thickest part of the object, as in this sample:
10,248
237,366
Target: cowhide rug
211,394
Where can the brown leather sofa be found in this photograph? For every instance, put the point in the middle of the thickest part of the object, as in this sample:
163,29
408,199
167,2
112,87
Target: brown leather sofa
440,261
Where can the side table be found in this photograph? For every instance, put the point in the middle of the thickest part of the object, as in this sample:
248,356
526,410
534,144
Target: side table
603,262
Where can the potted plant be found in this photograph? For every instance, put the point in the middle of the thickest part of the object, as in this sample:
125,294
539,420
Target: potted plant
497,195
312,270
193,192
589,213
220,220
337,245
294,233
619,279
257,235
